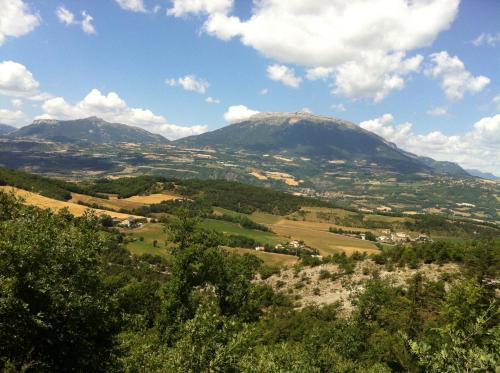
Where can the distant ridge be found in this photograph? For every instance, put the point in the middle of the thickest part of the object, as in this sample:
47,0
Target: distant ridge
305,134
481,174
6,129
92,130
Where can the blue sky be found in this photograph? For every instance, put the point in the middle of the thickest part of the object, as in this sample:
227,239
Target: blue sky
423,74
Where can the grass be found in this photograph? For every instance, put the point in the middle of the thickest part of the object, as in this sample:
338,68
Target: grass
231,228
150,232
265,218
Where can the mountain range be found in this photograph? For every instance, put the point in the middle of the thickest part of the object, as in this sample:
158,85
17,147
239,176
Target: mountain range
308,135
294,134
6,129
92,130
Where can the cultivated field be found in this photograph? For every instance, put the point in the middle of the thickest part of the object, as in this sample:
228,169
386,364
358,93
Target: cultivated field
56,205
152,198
317,236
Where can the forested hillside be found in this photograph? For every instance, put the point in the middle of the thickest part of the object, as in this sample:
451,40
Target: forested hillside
73,299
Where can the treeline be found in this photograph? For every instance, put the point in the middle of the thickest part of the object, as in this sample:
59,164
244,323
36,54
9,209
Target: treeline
126,186
244,198
73,299
368,235
51,188
242,221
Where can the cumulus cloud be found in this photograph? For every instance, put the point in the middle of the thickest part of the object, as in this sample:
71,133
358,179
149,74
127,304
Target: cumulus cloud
438,111
16,103
67,17
477,148
16,19
496,101
238,113
182,8
189,83
12,117
132,5
487,39
17,81
375,76
86,23
455,79
212,100
113,108
284,74
264,91
339,107
335,40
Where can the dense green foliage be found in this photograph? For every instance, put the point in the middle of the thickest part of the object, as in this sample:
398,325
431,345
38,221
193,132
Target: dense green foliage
244,198
73,299
51,188
126,186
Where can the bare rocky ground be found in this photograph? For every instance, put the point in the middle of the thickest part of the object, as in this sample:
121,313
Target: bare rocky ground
325,284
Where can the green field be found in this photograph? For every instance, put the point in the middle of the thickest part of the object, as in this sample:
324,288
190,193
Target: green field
150,232
232,228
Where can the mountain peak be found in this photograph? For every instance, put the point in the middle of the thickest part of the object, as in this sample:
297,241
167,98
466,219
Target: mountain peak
93,130
297,117
45,121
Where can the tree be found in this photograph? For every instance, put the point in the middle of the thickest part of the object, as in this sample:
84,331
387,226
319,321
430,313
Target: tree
55,314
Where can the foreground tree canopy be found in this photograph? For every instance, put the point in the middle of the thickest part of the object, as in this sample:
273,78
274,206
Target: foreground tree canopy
73,299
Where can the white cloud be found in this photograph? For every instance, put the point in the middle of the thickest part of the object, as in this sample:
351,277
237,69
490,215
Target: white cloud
212,100
16,103
182,8
339,107
86,23
306,110
375,76
264,91
16,19
238,113
342,39
189,83
455,79
11,117
477,148
16,80
488,39
132,5
65,16
283,74
316,73
113,108
438,111
496,101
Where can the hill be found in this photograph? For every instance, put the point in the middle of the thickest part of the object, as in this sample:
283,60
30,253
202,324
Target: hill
481,174
91,130
308,135
6,129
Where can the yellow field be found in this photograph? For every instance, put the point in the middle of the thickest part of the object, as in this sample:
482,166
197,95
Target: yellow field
56,205
111,203
152,198
316,235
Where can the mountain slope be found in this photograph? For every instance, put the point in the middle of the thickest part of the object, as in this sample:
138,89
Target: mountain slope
6,129
310,135
89,130
481,174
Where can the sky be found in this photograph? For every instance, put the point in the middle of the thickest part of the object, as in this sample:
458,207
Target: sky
424,74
